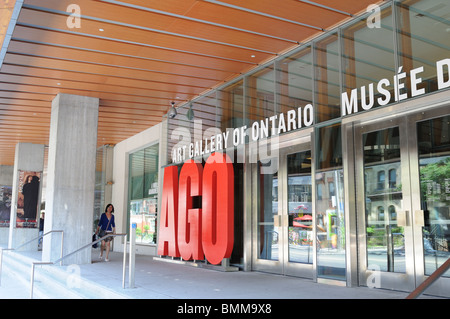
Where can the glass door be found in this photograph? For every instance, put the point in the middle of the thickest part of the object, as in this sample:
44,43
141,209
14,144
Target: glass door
284,241
384,203
403,199
297,207
430,166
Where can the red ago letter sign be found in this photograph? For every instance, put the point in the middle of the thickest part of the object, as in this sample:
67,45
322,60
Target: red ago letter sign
218,208
198,233
167,244
189,219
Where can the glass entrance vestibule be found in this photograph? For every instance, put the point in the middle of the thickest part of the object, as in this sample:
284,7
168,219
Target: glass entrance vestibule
402,176
344,203
363,202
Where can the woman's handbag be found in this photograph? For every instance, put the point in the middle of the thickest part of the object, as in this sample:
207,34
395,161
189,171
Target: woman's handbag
103,233
94,238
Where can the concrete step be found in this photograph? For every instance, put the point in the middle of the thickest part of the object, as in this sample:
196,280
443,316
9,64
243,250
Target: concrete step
52,281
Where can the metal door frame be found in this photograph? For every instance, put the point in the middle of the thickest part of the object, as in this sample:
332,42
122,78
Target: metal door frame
285,144
389,280
414,275
442,286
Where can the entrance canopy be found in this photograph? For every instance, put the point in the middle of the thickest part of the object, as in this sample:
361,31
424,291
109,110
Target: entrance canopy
139,56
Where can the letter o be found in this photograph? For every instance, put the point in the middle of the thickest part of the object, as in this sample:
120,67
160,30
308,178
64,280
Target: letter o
255,131
218,208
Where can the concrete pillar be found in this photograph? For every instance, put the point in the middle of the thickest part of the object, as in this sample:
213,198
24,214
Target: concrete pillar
29,160
71,177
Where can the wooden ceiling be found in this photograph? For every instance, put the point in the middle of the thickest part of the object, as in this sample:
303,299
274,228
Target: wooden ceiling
139,56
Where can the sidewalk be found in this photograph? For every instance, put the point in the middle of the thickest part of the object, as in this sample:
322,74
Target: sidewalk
162,280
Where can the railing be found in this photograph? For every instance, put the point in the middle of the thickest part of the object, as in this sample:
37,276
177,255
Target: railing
76,251
430,280
28,242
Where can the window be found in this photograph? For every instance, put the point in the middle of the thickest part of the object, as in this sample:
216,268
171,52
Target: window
295,81
368,56
327,78
143,193
392,213
330,209
392,178
230,109
261,94
380,180
423,39
380,213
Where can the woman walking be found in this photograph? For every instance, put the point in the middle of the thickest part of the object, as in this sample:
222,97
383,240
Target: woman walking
106,226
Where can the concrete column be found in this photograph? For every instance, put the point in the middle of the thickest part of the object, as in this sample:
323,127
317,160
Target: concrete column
28,158
71,177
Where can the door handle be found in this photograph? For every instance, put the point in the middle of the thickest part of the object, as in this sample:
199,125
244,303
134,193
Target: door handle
402,218
419,218
285,220
277,220
281,220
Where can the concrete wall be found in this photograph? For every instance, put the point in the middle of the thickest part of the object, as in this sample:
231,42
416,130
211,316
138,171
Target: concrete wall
28,157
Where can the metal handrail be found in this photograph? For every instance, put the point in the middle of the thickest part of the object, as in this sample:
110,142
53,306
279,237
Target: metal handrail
26,243
74,252
430,280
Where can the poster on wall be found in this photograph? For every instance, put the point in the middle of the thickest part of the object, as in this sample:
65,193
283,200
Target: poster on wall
28,199
5,205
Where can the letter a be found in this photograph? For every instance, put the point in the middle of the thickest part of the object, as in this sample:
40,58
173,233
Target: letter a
167,243
374,19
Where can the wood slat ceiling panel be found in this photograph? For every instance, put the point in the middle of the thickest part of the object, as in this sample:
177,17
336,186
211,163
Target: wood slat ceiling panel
351,6
113,46
141,35
233,18
87,86
106,70
301,12
160,90
149,53
118,61
252,22
165,23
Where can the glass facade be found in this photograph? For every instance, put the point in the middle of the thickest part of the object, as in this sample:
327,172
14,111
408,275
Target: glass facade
299,198
368,55
362,65
295,81
268,238
359,66
103,184
423,39
330,209
327,78
434,167
143,193
261,95
384,198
